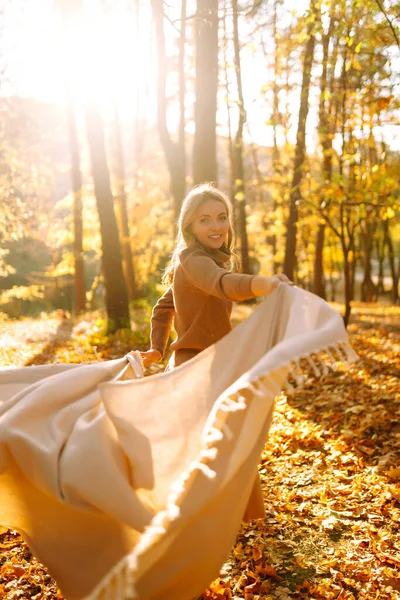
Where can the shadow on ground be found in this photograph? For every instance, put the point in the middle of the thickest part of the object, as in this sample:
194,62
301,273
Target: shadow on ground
58,340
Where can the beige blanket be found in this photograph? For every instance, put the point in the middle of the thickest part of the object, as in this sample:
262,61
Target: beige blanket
136,488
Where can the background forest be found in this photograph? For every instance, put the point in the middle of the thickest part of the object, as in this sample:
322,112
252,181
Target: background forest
292,107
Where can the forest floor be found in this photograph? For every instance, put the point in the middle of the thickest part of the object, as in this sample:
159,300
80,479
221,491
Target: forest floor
330,469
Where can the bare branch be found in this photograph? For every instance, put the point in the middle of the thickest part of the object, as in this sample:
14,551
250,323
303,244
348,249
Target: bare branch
382,9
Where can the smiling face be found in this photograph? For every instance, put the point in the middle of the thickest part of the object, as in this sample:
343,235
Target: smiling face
210,224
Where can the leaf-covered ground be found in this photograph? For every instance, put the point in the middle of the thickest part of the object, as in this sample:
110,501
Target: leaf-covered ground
330,470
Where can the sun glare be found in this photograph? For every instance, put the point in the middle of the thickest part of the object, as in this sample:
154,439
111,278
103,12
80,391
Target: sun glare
104,60
98,54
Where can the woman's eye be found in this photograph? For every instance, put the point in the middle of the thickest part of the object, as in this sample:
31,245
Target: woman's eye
204,220
223,218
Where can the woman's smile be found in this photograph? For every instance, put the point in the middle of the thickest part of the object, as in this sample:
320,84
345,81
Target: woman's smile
210,224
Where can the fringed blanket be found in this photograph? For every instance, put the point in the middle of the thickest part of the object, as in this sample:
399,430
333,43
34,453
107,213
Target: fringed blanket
136,488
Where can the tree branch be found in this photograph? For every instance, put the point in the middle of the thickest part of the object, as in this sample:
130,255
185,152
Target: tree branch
382,9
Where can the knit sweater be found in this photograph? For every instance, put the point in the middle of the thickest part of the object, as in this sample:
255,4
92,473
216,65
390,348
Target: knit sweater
199,301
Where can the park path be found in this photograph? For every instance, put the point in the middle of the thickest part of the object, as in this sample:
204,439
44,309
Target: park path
23,341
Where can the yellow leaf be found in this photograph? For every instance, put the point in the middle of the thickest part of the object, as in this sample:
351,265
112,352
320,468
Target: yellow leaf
329,523
389,214
394,473
239,196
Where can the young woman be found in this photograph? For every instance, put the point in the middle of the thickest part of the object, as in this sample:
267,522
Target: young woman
201,286
202,289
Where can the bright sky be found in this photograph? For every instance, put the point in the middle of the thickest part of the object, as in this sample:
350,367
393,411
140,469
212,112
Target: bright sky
34,59
35,56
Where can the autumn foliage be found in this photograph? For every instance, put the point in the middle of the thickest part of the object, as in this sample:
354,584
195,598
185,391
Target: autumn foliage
330,469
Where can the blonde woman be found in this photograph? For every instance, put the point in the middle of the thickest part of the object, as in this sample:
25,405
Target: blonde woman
201,287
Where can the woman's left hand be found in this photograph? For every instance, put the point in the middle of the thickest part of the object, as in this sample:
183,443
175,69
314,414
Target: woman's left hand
283,278
150,356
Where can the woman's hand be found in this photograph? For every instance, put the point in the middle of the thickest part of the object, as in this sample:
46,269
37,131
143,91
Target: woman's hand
282,278
263,286
150,357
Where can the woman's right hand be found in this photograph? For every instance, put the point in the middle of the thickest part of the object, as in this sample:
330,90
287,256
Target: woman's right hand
263,286
150,356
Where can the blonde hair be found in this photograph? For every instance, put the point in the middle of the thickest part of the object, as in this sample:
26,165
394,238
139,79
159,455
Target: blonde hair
185,237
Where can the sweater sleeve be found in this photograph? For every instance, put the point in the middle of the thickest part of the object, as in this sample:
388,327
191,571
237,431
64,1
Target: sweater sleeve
203,272
161,321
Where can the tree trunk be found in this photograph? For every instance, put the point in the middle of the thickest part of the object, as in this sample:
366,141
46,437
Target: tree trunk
142,94
76,176
182,88
326,144
319,279
116,296
395,287
353,271
394,273
240,190
347,287
257,175
276,162
368,289
68,11
380,252
205,108
342,110
228,107
174,151
122,212
300,150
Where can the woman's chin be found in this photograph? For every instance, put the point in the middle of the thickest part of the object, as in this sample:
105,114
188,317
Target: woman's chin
216,244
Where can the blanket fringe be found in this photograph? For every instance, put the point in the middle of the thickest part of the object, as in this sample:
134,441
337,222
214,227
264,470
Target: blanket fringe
320,363
119,583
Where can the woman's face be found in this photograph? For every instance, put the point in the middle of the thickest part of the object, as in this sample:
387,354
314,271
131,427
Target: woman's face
210,224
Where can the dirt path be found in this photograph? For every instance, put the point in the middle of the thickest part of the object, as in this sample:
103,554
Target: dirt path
22,342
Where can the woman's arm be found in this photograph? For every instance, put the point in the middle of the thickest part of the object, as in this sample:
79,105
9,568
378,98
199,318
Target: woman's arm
202,271
161,323
252,286
263,286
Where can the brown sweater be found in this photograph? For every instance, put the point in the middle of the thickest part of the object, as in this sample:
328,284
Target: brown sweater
199,301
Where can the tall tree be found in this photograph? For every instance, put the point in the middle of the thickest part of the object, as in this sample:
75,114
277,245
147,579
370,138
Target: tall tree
368,288
392,263
276,162
174,151
300,149
76,176
205,108
142,93
326,137
228,97
116,295
122,211
238,173
67,12
277,60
